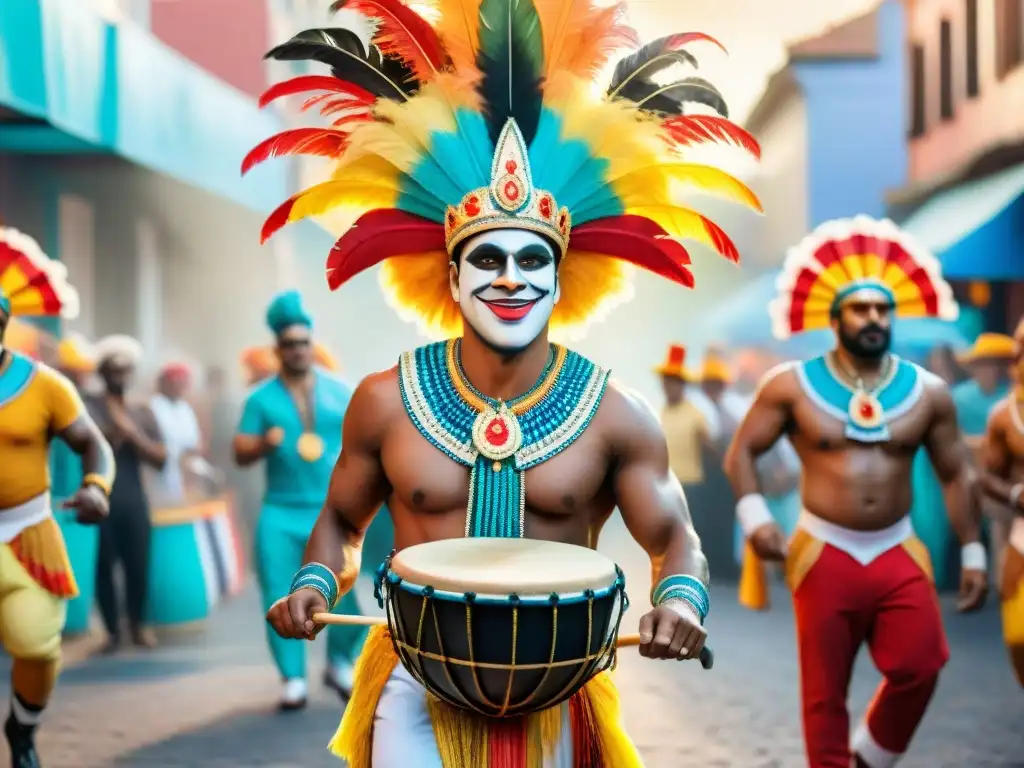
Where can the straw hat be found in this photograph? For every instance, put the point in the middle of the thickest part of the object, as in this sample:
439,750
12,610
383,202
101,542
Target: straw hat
989,346
675,364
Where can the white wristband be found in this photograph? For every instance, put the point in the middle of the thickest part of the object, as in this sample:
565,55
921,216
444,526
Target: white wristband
1015,494
752,512
973,557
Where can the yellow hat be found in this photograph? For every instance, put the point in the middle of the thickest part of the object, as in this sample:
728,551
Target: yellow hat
74,353
989,346
715,369
675,364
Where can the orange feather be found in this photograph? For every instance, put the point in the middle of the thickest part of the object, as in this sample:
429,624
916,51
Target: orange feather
458,26
580,37
687,130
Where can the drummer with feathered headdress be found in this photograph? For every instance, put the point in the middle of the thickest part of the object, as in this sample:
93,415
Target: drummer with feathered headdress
292,422
37,404
503,196
857,416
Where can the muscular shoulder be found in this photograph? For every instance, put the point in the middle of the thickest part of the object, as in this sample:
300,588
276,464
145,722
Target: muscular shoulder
936,392
780,386
376,402
627,420
999,417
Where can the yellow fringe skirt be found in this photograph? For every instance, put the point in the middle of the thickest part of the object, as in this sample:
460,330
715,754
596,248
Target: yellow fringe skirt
467,740
41,551
1012,597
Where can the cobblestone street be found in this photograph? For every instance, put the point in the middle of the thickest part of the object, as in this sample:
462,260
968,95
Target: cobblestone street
206,699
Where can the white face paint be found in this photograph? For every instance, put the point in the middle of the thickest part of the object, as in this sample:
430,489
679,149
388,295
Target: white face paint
506,286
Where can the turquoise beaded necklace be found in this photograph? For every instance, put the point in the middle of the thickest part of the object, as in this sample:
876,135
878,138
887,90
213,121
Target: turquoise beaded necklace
498,440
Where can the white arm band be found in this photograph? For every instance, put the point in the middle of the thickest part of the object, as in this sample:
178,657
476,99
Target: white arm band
973,557
752,512
1015,494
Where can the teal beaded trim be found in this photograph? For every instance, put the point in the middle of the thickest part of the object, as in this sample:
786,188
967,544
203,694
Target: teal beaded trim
497,491
319,577
683,587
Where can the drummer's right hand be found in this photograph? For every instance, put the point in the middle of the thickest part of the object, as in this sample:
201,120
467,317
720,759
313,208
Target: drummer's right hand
274,437
292,616
769,542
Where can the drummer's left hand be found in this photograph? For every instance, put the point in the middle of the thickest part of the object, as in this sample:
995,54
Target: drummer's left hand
672,630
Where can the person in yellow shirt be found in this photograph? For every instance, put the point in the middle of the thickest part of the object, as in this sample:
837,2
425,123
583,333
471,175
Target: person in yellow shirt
37,404
686,428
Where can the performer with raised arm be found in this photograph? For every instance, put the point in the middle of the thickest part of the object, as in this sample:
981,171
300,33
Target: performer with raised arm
38,404
292,421
856,417
1003,480
504,198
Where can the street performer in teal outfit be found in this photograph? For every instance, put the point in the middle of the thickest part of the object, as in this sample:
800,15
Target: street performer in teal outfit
293,422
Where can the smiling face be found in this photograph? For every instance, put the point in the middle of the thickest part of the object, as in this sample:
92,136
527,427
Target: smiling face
506,286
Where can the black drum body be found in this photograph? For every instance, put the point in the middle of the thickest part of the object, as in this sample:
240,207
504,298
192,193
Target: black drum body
503,655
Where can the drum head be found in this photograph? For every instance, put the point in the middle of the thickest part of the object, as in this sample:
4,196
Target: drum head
502,566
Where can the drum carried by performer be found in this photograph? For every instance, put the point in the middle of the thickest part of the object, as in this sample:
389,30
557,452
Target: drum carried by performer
472,147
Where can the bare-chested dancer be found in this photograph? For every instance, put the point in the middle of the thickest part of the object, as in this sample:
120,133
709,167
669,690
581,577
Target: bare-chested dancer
493,266
1003,480
856,417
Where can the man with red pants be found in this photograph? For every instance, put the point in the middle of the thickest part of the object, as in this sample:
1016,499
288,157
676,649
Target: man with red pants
857,416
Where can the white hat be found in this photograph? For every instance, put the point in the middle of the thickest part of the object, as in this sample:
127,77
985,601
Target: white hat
119,349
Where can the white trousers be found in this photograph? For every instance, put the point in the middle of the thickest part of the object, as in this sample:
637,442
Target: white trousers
403,736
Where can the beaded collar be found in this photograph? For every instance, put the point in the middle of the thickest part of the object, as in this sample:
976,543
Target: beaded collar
498,440
867,414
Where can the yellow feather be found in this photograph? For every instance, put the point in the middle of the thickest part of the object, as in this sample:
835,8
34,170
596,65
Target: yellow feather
328,195
380,139
611,130
680,223
416,287
592,286
458,25
656,185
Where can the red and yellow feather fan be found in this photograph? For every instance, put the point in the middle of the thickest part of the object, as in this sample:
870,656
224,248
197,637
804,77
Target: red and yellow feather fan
844,256
486,116
32,284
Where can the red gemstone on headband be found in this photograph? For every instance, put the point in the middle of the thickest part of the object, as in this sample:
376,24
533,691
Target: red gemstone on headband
472,206
511,190
511,166
545,207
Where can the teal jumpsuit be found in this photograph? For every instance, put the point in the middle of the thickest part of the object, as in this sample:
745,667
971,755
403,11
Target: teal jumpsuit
295,493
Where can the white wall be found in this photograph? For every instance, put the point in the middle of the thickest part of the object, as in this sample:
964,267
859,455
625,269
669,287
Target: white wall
781,181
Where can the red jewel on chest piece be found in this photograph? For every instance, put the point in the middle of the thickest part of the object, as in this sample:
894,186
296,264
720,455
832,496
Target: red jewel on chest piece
497,432
867,410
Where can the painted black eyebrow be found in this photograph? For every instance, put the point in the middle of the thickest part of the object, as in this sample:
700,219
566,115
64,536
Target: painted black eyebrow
490,249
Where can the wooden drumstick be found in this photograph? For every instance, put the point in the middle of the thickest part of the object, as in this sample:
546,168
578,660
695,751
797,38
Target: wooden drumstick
707,657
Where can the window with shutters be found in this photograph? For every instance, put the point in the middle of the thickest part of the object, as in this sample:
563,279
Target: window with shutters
1009,21
971,34
945,70
918,102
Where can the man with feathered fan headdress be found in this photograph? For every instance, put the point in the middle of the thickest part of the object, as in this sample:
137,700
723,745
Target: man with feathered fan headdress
504,198
857,416
37,404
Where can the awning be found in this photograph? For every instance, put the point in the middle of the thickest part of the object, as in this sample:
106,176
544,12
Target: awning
976,229
742,320
90,86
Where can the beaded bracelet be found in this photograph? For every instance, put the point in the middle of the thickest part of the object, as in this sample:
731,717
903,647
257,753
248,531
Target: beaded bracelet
319,577
683,587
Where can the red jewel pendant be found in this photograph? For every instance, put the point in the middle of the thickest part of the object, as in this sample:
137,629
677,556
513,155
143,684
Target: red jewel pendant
497,432
865,411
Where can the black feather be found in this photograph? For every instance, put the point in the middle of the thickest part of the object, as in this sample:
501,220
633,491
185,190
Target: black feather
672,98
343,51
510,59
648,62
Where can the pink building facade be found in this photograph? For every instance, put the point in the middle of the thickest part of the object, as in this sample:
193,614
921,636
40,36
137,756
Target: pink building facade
966,61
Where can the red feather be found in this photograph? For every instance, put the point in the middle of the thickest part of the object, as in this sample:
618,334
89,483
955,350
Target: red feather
379,235
678,41
277,219
686,130
633,241
306,83
402,33
323,142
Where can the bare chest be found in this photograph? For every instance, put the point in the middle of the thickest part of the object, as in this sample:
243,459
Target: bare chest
1015,443
425,481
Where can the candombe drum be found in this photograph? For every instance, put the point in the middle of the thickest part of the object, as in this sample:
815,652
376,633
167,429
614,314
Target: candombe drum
196,559
503,627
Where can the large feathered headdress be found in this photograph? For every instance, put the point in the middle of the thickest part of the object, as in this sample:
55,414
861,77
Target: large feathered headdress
847,256
489,118
31,283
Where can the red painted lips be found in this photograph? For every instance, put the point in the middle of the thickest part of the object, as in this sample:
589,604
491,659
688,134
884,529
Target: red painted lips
510,310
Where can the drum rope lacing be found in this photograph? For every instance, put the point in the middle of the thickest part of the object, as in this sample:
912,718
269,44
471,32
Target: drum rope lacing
413,655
